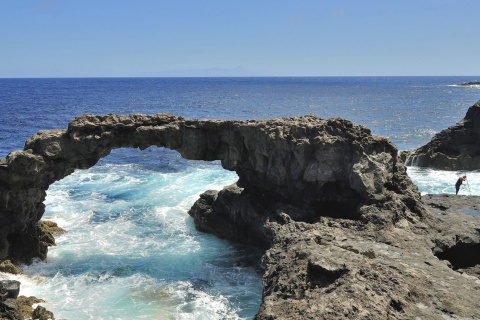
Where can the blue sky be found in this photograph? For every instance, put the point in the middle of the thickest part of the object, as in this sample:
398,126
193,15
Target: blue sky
120,38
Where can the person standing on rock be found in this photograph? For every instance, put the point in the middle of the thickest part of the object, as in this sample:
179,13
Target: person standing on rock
459,183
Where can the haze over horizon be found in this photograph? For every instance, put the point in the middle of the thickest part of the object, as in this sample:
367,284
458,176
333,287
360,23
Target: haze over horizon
54,38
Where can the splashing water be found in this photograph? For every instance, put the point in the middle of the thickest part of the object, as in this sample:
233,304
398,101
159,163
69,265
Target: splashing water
131,251
430,181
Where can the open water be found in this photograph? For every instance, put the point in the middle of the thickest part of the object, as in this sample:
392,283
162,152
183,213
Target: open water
131,251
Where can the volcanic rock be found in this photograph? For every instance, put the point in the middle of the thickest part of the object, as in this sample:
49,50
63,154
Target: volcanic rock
467,84
8,267
337,268
21,308
326,167
14,307
455,148
9,289
345,231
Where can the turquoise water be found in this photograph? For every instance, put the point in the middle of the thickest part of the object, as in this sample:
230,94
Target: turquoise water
431,181
131,251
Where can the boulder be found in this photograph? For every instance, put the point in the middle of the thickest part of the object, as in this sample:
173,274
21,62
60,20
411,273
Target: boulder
8,267
9,289
21,308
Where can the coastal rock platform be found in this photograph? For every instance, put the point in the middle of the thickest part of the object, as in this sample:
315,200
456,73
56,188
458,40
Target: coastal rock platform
345,230
335,268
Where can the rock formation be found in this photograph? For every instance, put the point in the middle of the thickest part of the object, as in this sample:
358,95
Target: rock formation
345,231
377,267
14,307
455,148
468,84
327,167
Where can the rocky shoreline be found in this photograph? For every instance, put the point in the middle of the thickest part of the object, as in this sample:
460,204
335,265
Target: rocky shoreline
341,269
13,306
456,225
455,148
346,232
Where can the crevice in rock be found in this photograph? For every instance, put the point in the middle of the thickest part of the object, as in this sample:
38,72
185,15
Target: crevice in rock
319,277
461,255
397,305
346,209
337,200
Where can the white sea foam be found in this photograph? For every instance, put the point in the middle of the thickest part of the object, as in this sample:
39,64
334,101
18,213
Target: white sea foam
131,251
431,181
465,86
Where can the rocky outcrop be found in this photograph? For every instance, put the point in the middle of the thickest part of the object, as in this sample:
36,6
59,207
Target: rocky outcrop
468,84
345,231
457,230
455,148
14,307
326,167
377,267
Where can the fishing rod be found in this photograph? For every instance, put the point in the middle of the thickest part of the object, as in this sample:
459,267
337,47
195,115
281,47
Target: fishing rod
468,185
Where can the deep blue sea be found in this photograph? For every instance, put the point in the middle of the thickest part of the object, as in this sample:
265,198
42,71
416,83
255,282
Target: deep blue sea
131,251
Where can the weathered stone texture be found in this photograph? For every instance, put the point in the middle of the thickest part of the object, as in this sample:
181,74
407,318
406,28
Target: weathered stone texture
345,230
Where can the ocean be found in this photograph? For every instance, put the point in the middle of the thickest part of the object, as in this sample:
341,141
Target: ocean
131,251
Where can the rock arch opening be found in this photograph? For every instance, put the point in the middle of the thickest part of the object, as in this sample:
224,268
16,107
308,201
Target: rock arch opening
338,201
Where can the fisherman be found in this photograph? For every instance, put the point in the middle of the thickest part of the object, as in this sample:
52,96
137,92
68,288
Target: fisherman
459,183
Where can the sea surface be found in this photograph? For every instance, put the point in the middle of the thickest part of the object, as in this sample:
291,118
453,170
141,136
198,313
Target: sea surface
131,251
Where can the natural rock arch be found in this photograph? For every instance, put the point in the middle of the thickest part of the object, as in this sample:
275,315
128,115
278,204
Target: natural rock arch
326,167
347,233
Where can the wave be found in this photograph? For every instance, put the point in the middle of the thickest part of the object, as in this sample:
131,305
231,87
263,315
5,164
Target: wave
132,251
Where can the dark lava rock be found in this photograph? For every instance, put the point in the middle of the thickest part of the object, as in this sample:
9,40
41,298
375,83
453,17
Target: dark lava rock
345,230
468,84
455,148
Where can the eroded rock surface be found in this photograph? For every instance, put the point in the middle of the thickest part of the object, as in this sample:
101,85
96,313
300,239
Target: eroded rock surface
327,167
455,148
346,232
336,268
457,229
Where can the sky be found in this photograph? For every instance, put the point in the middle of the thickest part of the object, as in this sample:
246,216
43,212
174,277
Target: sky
156,38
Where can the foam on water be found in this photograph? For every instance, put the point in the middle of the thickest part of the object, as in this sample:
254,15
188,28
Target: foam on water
430,181
132,252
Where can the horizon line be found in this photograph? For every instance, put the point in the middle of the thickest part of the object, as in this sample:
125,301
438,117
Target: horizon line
243,76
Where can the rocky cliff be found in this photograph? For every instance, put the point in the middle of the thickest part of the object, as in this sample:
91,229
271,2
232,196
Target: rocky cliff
455,148
345,231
